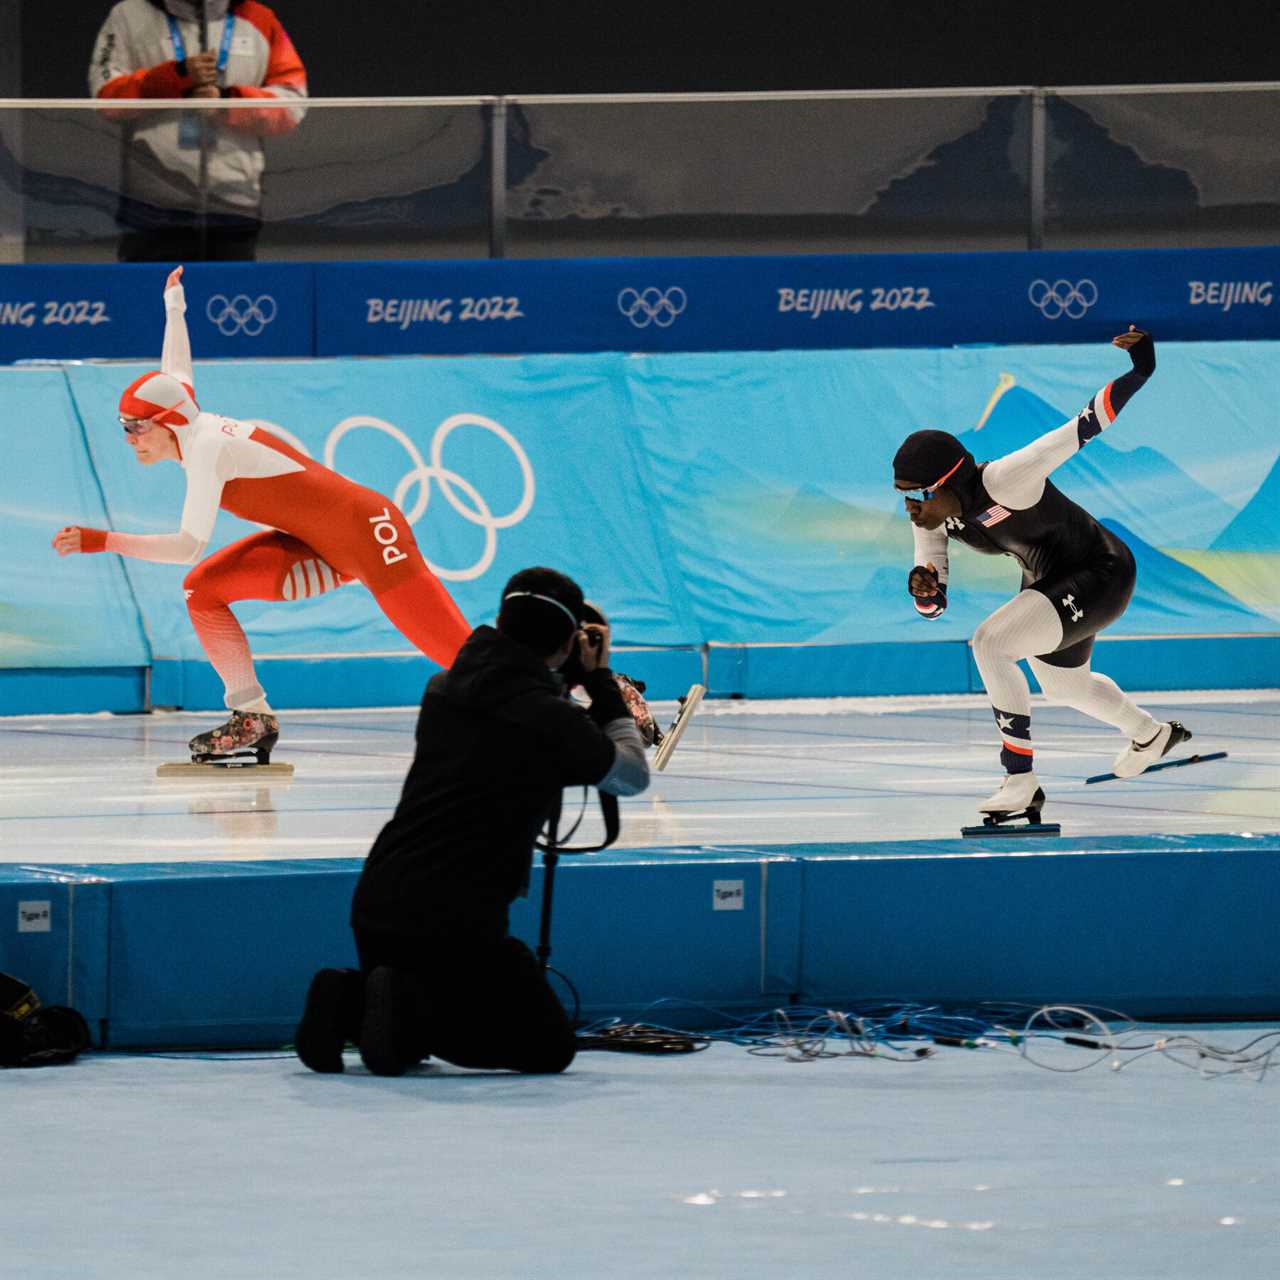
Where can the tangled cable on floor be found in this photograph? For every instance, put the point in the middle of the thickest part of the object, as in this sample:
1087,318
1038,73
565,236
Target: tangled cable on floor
1048,1036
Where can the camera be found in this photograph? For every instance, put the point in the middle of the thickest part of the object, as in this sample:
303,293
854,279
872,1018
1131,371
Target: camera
592,624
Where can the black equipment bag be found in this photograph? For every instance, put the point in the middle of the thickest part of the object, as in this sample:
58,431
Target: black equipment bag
34,1034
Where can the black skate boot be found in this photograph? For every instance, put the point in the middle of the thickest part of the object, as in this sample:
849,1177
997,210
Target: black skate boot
248,735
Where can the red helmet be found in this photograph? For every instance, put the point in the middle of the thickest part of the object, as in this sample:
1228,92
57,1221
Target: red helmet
160,398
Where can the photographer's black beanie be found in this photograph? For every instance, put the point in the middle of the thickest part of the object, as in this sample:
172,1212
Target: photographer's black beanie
541,608
928,459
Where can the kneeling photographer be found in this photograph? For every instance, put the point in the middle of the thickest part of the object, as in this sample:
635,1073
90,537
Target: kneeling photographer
497,741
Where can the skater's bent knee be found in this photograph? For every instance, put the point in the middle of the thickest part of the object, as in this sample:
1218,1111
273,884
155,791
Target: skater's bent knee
991,640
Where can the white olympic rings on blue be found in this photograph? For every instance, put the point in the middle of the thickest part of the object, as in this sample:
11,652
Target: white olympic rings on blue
421,473
652,306
1062,298
241,314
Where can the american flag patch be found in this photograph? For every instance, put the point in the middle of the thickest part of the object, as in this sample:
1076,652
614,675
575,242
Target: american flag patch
993,515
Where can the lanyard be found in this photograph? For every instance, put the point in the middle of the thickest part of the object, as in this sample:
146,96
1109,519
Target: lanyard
224,50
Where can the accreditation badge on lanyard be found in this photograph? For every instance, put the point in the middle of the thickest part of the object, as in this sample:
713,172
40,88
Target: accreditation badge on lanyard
189,129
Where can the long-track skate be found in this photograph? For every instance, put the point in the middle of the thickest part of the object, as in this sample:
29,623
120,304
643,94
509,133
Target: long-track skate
1016,822
241,746
668,741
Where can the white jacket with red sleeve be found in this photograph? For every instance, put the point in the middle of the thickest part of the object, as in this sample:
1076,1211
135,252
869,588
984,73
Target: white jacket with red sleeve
134,57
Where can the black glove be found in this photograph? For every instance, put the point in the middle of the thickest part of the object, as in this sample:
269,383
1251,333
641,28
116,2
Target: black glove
606,698
1143,355
935,604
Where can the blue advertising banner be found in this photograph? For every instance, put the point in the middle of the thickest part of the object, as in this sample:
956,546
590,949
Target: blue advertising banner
777,303
653,304
117,311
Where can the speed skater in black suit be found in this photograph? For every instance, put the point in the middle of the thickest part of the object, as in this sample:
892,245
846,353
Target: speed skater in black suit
1077,577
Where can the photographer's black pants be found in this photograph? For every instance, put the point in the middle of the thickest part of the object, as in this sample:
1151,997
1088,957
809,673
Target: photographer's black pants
486,1005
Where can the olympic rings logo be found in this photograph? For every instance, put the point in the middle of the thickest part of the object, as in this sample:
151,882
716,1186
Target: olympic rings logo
644,307
241,314
475,510
1062,298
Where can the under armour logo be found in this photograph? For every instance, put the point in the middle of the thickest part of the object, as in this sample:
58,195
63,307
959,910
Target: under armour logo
954,523
1070,603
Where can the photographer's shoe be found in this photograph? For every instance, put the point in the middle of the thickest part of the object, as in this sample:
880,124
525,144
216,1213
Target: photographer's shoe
331,1017
387,1032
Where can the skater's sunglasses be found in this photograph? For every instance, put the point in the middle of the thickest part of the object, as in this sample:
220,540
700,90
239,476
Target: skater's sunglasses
136,426
927,491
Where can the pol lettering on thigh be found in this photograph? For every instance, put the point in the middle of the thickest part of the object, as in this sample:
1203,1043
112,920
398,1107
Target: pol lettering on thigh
387,535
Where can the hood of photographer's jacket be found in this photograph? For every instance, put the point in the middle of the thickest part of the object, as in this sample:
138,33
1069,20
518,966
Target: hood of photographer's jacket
492,670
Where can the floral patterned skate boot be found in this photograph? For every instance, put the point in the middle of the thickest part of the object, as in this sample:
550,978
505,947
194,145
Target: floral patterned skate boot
633,695
247,733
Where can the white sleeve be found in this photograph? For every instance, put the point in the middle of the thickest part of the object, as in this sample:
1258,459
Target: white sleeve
175,357
629,773
162,548
931,548
207,471
110,52
1017,480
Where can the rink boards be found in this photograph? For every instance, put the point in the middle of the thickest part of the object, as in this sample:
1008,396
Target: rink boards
220,954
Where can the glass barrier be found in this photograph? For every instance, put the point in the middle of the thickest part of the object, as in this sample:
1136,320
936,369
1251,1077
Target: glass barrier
783,175
84,183
1192,166
944,170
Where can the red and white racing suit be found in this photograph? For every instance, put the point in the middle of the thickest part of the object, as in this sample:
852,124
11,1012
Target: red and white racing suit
324,531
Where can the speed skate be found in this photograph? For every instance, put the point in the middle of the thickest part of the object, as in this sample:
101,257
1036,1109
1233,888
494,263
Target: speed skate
1014,810
241,770
238,748
667,744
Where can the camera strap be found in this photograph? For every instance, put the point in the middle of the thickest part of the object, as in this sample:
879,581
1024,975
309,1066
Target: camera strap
552,842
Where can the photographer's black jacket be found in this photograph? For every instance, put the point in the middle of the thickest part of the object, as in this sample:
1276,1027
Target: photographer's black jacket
496,741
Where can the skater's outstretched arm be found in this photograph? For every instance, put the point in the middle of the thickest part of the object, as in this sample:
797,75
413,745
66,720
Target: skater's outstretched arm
1017,480
207,468
175,355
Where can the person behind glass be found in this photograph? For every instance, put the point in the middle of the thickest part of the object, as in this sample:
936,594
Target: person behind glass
497,740
192,182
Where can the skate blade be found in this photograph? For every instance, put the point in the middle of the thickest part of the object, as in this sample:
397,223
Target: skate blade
1160,764
1001,829
240,770
688,705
